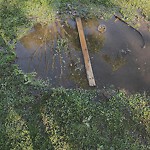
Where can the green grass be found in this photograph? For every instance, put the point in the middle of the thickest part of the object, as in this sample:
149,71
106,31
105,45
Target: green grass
129,8
35,116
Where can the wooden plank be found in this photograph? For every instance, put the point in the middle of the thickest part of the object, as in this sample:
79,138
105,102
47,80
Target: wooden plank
85,52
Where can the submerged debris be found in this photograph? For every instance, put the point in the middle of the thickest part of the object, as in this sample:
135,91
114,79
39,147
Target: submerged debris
102,28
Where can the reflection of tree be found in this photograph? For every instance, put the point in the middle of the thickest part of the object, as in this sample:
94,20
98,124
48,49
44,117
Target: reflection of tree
40,35
94,38
55,37
76,73
115,63
94,42
72,35
43,34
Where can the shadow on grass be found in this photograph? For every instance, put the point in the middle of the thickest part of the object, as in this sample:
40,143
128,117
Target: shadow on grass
13,90
89,125
21,123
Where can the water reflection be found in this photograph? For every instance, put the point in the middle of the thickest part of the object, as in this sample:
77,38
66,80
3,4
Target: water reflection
95,39
115,63
54,52
38,36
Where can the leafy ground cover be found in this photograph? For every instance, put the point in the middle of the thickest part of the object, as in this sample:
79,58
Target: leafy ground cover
35,116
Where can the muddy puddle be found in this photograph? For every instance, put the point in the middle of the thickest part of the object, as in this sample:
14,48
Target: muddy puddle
117,57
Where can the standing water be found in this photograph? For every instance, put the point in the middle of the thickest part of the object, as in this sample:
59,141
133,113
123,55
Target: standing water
117,57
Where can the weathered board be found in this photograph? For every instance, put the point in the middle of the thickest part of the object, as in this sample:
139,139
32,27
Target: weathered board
85,52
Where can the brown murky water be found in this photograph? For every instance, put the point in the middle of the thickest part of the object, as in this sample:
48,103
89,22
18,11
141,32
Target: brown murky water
53,52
